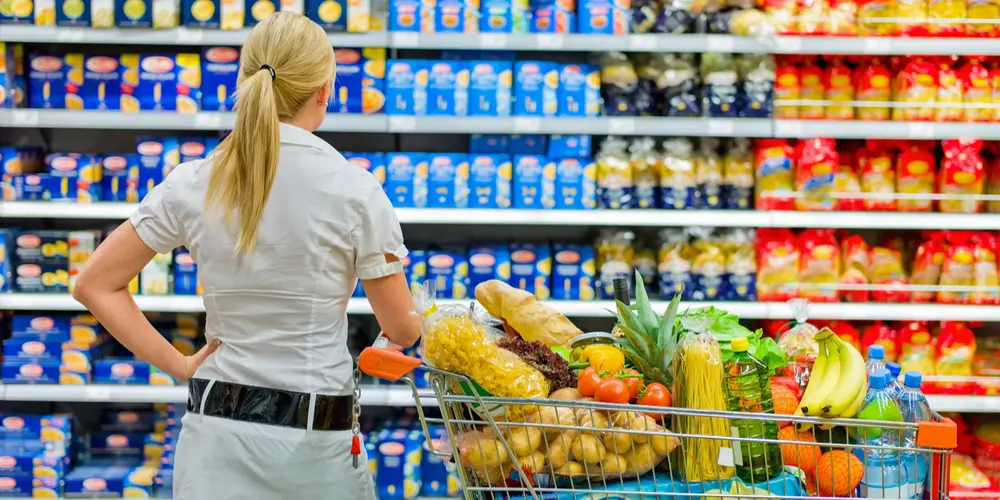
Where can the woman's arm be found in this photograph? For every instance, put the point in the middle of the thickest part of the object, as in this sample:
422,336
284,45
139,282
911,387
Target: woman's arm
102,288
393,306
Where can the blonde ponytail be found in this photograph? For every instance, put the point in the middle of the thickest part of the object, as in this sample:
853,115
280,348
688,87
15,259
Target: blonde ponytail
286,59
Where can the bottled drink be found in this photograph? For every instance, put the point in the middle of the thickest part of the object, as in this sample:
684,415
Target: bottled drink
876,359
748,390
914,407
884,476
894,369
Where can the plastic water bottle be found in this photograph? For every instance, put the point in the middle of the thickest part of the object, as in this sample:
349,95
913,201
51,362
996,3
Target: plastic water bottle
876,359
884,476
894,385
915,408
748,390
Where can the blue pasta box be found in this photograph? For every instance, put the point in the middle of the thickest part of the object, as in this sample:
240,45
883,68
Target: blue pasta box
5,242
26,371
139,481
84,330
114,420
371,449
41,187
406,87
372,162
256,10
491,262
413,16
576,184
531,268
210,144
156,157
504,16
40,262
54,81
535,87
448,88
447,180
220,66
169,83
32,349
449,273
206,13
82,170
580,91
331,15
415,269
435,478
549,19
185,274
102,83
12,83
55,431
527,144
399,458
451,16
490,181
603,17
97,479
20,12
120,178
191,148
488,144
134,13
121,371
121,444
72,13
21,486
41,326
534,182
573,272
360,83
490,86
406,179
569,146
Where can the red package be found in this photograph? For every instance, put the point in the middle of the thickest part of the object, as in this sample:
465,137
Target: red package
927,265
873,84
787,86
857,261
878,176
956,349
915,175
916,83
883,335
951,91
958,268
816,161
962,173
916,348
820,265
774,163
888,276
838,79
846,180
778,260
812,89
985,270
977,90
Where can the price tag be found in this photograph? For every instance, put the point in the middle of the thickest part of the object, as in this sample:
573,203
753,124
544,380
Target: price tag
721,128
527,125
789,129
921,130
621,126
405,40
69,34
788,45
402,123
551,41
189,36
720,43
96,393
876,45
24,118
642,42
492,41
207,121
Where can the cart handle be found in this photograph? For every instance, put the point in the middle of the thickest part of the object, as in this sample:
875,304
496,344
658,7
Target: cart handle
385,363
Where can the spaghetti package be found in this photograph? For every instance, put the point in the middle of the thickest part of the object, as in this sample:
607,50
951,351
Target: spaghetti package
778,260
887,273
812,16
781,14
913,17
811,89
708,267
958,269
838,80
916,348
962,173
878,176
915,176
674,264
820,266
843,18
799,343
916,86
993,185
708,174
816,162
787,87
645,172
856,262
927,265
741,266
873,85
984,275
881,334
988,10
774,160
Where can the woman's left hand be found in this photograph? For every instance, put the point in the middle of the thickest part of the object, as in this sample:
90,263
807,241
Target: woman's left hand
191,363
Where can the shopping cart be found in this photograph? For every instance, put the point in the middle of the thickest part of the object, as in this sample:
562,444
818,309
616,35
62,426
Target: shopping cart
489,434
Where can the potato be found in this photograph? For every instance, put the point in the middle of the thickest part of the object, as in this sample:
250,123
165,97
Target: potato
571,469
524,440
558,450
493,475
588,449
617,442
634,421
663,443
641,459
567,394
534,462
551,415
485,453
614,465
597,419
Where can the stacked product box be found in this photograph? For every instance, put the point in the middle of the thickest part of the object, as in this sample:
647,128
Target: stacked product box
553,16
604,17
402,464
52,349
434,16
34,454
12,82
359,87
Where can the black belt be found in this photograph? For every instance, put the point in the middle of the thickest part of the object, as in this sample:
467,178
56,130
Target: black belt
259,405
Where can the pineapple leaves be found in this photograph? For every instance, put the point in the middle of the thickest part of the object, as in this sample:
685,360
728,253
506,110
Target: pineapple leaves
649,319
637,341
665,333
627,318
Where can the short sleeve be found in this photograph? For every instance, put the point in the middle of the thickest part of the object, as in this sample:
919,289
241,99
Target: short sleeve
156,220
377,234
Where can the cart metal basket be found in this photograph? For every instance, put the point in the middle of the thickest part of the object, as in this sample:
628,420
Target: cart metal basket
623,452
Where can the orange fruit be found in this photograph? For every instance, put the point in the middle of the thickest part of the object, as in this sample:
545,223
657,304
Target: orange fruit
785,401
838,473
802,453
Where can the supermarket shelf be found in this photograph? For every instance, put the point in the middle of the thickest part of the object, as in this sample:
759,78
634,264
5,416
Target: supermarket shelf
965,404
589,218
858,129
177,36
881,45
576,308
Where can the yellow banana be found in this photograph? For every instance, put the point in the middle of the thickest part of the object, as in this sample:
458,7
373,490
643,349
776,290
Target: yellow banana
802,426
815,377
852,379
852,411
831,378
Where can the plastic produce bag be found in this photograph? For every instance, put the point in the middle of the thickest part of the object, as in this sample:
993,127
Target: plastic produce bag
458,339
799,343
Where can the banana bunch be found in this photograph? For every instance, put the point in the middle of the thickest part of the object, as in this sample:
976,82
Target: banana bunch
838,382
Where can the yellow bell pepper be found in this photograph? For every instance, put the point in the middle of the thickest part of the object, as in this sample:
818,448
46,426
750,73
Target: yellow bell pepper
604,358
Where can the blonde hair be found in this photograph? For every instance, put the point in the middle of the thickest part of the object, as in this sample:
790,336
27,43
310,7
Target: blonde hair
301,58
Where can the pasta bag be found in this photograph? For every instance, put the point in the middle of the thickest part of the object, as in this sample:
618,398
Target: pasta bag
820,266
737,176
812,89
950,91
521,310
916,348
787,87
813,15
881,334
916,83
985,270
846,182
887,270
874,85
816,163
799,343
995,87
856,261
927,265
678,179
958,268
843,18
947,10
878,176
977,91
982,9
645,172
838,79
913,17
869,13
993,185
778,260
773,160
915,176
962,173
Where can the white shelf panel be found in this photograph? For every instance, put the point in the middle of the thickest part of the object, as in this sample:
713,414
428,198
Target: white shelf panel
859,129
152,120
580,42
880,45
965,404
178,36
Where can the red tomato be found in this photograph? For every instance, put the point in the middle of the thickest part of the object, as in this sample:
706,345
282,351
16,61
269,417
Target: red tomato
612,390
587,382
634,383
656,395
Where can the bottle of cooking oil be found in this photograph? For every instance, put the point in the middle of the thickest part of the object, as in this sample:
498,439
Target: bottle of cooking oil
748,390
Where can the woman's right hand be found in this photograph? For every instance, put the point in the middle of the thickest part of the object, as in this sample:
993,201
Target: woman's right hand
193,362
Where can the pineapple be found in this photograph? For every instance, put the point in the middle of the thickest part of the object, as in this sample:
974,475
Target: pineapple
648,339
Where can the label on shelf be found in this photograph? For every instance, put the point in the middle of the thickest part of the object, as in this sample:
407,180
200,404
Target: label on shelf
527,125
96,393
24,118
64,34
642,42
621,126
189,36
721,127
492,41
787,129
402,123
877,45
921,131
207,121
788,44
551,41
720,43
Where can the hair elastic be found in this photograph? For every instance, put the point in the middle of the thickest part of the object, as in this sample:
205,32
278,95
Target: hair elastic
269,69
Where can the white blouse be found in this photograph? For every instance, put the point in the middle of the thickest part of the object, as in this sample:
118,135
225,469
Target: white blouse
281,311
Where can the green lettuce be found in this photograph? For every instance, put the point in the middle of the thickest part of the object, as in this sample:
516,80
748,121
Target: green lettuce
725,326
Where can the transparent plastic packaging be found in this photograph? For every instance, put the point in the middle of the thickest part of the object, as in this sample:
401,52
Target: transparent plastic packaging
799,343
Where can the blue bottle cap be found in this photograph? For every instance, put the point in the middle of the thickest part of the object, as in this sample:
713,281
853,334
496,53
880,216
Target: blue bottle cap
894,369
912,379
876,351
879,379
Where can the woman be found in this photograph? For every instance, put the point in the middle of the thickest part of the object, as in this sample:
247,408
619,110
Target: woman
281,226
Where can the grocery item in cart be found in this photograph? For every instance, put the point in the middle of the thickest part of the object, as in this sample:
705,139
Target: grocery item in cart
528,317
799,343
748,390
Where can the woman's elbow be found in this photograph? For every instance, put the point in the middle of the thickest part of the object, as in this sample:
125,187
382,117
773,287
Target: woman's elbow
83,289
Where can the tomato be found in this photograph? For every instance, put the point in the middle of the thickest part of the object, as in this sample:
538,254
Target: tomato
634,382
612,390
656,395
587,382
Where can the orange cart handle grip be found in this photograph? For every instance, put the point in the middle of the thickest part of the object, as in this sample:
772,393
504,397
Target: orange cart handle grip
386,364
